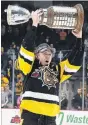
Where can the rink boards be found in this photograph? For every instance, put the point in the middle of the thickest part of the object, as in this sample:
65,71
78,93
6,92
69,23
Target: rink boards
66,117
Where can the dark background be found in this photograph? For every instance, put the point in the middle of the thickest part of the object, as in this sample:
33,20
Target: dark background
11,31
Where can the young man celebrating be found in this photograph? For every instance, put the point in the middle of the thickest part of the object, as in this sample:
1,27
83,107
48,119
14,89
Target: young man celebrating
40,101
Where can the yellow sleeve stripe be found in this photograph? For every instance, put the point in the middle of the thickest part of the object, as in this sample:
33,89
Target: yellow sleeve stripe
27,52
62,64
30,58
24,66
65,65
65,77
40,107
71,66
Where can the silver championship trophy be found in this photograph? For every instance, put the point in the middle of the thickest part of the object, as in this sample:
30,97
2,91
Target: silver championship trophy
57,17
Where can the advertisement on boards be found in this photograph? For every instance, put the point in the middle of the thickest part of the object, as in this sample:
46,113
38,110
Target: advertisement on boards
72,118
12,117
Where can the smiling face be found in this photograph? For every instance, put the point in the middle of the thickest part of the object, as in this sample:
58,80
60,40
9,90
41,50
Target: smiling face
44,57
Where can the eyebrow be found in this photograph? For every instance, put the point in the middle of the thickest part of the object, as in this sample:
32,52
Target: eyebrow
46,53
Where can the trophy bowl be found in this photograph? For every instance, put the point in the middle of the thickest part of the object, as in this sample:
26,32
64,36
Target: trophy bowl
17,15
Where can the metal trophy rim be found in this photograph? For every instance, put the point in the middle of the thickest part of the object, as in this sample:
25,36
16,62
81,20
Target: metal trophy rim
9,14
80,20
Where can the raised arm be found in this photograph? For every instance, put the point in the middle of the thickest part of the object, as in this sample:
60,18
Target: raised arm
26,54
73,63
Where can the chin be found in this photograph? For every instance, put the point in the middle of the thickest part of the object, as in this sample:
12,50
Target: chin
44,63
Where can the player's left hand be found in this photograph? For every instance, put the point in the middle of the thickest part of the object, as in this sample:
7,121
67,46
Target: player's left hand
77,34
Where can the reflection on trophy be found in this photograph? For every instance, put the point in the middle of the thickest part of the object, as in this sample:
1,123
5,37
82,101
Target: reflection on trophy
56,17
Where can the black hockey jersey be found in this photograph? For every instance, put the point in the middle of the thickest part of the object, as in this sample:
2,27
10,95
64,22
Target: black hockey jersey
38,97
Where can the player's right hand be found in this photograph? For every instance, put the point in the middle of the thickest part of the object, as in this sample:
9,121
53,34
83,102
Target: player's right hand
36,17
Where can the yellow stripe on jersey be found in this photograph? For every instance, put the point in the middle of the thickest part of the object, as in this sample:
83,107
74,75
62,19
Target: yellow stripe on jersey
42,108
62,64
65,77
27,52
71,66
67,67
25,67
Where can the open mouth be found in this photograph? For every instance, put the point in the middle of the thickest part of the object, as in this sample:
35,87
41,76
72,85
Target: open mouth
46,61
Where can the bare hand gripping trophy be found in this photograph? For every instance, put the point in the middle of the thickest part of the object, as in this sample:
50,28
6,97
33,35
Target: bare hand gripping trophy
57,17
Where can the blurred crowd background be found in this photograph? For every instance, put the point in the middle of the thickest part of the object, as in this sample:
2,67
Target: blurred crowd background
11,37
